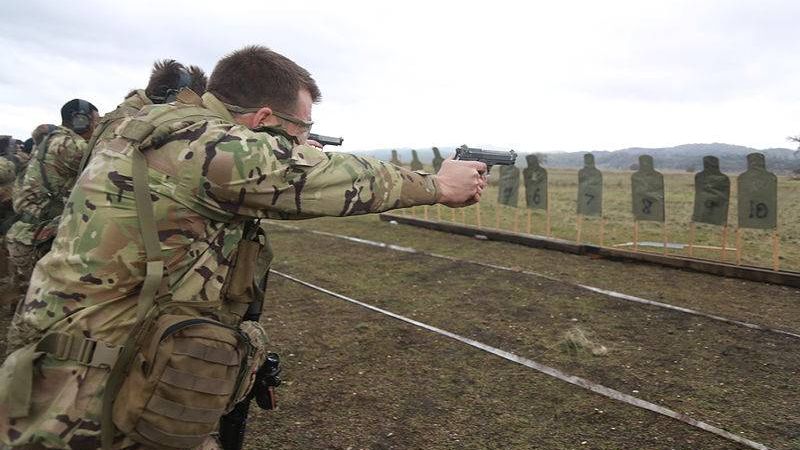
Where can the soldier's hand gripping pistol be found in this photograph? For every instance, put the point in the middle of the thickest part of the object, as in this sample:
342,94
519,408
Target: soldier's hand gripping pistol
488,157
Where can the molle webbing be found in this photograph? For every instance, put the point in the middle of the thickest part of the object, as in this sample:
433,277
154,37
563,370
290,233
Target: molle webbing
178,411
210,354
196,383
172,440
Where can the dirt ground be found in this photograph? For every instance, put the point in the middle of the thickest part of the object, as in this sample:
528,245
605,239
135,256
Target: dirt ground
357,379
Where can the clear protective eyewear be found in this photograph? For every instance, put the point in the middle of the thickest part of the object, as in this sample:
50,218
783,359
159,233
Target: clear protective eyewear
303,124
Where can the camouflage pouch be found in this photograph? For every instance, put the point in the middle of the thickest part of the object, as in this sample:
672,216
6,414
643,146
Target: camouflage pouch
257,338
244,287
187,373
240,289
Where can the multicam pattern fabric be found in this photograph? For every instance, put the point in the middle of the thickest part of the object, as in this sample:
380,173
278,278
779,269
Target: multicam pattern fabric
132,104
12,166
207,176
8,173
22,258
50,175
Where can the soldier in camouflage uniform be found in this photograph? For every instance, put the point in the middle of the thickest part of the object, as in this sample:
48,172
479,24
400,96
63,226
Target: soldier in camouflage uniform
166,79
19,157
7,176
47,181
236,154
13,162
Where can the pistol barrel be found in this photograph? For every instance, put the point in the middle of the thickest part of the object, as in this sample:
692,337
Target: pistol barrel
326,140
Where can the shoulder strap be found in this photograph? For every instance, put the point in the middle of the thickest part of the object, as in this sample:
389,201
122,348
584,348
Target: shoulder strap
138,131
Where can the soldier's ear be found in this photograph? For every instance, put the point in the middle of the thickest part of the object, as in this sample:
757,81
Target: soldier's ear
262,116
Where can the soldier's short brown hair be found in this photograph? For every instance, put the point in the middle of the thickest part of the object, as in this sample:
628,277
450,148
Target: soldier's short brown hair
166,78
256,76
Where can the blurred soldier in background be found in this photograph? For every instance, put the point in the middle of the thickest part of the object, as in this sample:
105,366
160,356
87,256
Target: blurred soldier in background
39,197
14,159
7,174
167,78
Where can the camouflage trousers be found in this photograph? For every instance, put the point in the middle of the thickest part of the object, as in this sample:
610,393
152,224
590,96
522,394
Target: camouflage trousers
22,259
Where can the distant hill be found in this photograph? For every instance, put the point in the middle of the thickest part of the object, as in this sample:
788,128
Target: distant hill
680,158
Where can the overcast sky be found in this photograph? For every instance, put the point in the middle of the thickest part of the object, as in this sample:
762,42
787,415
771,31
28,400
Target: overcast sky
534,76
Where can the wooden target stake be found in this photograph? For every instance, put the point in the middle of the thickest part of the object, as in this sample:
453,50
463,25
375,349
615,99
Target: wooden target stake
516,220
528,228
549,231
738,246
580,228
478,215
664,235
635,235
453,215
464,216
691,239
724,250
497,216
439,212
776,250
425,211
602,231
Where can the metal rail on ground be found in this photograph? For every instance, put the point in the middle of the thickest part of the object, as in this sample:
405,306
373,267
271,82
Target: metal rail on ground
782,277
551,371
606,292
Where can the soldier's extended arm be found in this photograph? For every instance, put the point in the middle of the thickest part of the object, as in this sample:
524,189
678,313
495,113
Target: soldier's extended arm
258,175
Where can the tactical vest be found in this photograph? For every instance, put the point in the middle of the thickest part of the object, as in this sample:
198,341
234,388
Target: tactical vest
184,364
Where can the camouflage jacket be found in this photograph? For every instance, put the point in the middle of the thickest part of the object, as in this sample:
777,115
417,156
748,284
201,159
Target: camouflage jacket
7,177
207,177
47,182
8,171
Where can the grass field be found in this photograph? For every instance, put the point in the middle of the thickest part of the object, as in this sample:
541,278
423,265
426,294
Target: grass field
563,184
